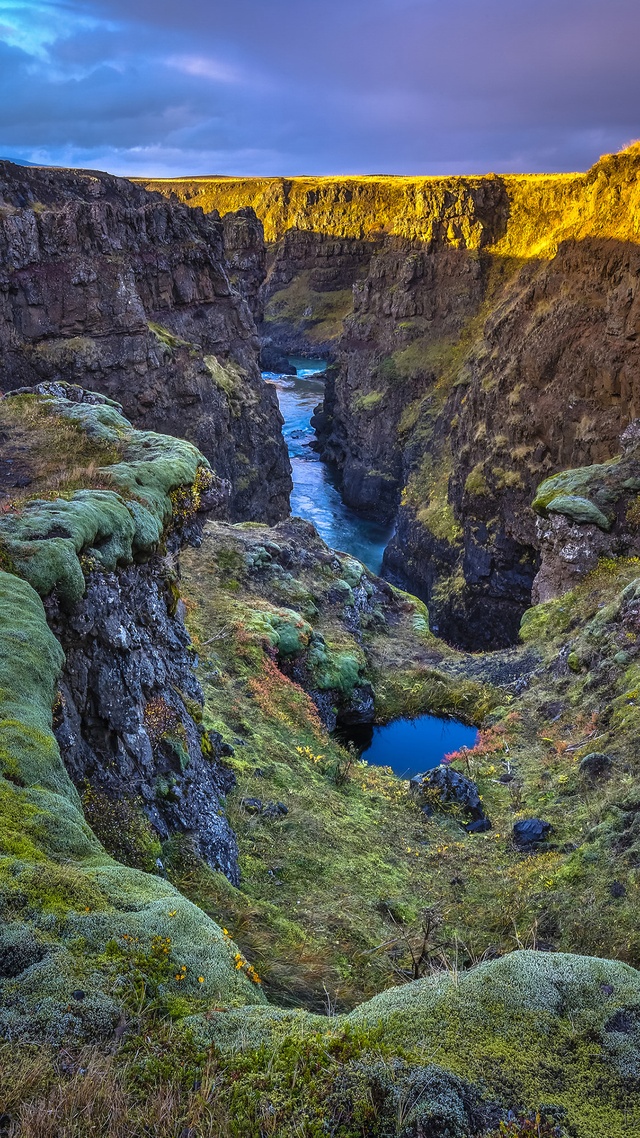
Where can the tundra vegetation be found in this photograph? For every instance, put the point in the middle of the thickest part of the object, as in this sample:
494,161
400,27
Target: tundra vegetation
178,1001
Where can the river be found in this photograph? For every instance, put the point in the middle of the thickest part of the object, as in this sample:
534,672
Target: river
315,495
408,746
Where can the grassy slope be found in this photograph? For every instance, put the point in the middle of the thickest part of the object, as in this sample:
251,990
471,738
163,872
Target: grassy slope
530,1027
325,886
485,896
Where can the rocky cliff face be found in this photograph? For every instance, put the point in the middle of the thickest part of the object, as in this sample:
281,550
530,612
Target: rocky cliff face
485,332
245,253
128,718
105,284
128,721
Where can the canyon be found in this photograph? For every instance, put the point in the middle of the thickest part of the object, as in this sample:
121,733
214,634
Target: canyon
483,332
216,917
104,284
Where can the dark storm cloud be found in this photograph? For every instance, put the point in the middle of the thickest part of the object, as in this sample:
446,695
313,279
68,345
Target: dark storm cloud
290,86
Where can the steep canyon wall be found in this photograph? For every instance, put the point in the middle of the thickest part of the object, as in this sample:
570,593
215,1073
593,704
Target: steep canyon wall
484,331
107,285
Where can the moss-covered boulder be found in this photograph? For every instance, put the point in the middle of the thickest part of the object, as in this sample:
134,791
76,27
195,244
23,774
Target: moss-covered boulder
590,494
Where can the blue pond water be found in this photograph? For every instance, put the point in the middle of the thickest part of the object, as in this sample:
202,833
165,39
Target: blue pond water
411,746
408,746
315,495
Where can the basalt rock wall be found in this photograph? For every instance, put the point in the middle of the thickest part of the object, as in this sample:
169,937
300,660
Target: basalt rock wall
127,717
485,336
107,285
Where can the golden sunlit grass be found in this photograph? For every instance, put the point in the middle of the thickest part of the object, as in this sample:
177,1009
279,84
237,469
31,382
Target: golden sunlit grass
51,453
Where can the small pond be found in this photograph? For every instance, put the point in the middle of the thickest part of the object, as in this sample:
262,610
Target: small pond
411,746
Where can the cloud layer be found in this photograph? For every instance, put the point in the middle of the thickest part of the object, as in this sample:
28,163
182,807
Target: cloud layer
318,86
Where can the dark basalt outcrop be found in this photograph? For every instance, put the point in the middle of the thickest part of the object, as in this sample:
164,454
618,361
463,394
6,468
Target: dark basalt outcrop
245,253
447,789
105,284
127,717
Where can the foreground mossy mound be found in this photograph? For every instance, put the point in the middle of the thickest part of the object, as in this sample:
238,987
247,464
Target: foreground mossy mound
533,1044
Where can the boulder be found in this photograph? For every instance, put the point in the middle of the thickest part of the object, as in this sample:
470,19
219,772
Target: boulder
596,765
272,359
252,805
270,810
448,787
530,832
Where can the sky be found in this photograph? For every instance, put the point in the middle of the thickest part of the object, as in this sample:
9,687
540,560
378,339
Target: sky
170,87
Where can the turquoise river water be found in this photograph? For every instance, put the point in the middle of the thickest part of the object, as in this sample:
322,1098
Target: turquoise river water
408,746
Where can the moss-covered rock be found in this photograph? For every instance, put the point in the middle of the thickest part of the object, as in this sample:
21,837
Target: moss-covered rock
589,494
67,899
64,899
45,539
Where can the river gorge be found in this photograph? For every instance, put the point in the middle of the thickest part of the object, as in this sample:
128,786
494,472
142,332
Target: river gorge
240,889
316,495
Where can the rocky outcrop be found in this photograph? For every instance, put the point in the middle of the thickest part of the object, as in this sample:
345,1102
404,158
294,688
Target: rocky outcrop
129,711
126,726
485,333
323,618
444,788
107,285
128,720
245,253
585,515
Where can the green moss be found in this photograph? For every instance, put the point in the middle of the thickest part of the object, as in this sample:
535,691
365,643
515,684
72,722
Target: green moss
368,402
589,493
46,540
416,691
319,314
423,356
229,378
579,510
285,630
167,338
428,492
476,482
334,670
